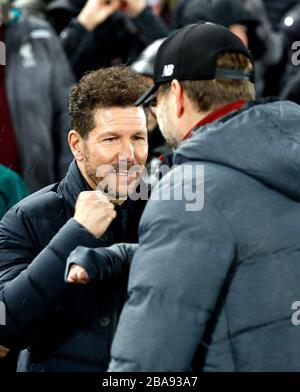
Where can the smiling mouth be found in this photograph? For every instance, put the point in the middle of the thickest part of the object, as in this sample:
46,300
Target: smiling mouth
127,174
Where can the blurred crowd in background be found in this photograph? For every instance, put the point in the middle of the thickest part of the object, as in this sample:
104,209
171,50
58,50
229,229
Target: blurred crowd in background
51,44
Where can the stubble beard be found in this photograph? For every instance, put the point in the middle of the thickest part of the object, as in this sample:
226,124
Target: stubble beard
101,183
166,127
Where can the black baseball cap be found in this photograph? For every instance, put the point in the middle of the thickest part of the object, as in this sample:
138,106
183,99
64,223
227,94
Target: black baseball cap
191,54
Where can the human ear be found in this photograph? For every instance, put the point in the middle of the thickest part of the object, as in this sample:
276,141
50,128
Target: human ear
178,92
76,144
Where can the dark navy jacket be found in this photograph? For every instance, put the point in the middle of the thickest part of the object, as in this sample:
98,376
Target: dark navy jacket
63,327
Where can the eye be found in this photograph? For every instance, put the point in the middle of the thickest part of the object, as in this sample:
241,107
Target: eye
154,102
110,139
137,137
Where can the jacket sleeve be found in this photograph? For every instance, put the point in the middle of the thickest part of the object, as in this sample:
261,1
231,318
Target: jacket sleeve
175,280
75,40
103,263
32,282
62,81
133,36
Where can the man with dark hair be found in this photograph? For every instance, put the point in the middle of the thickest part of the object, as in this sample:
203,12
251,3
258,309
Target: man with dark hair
67,328
113,90
99,33
214,288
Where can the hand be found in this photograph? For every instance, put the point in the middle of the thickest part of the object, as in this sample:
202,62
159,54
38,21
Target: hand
96,12
135,7
94,211
78,274
3,351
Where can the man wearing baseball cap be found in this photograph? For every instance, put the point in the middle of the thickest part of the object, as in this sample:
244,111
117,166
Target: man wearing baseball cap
213,288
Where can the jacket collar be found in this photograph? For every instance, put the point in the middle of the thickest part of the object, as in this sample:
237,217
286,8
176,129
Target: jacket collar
216,115
71,186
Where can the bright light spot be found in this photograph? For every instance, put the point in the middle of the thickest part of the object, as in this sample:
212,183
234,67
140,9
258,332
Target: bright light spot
288,21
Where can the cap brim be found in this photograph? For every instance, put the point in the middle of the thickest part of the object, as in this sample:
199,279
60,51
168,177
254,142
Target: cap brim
147,95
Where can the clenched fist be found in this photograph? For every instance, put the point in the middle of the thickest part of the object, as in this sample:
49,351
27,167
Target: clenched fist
78,274
94,211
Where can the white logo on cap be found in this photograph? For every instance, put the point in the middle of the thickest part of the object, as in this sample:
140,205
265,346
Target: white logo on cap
168,70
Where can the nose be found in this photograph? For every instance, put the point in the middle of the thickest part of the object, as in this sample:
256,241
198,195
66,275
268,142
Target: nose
127,151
